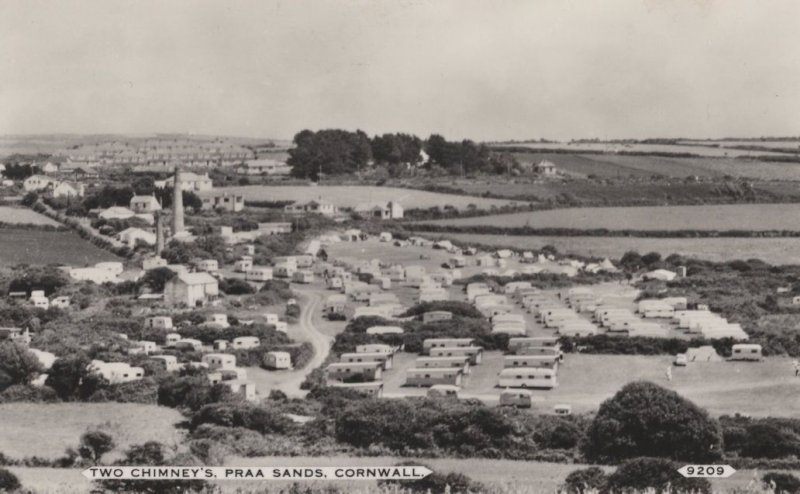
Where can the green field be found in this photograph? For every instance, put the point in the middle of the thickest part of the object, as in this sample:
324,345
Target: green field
755,217
46,430
352,195
24,216
698,148
772,250
43,247
626,166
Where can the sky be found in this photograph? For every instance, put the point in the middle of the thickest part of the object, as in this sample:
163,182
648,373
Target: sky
479,69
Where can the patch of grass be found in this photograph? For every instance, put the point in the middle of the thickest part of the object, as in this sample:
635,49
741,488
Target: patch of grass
46,430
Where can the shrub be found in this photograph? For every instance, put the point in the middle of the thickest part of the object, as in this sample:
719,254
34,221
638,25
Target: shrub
770,440
8,481
257,418
585,479
94,444
235,286
782,483
28,393
644,419
436,482
639,474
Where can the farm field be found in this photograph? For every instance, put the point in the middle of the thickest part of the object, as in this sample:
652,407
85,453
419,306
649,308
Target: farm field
42,247
776,144
772,250
46,430
643,192
24,216
351,195
757,217
622,166
607,147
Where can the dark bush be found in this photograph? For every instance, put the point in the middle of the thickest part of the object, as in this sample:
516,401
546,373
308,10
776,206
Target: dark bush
644,419
783,483
8,481
639,474
585,479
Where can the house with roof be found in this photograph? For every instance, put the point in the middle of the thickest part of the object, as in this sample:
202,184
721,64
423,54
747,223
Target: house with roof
189,182
133,236
191,289
144,204
263,167
313,207
391,210
49,167
116,213
545,168
223,200
68,188
38,182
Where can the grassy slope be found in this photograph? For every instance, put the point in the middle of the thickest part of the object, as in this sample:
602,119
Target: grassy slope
46,430
40,247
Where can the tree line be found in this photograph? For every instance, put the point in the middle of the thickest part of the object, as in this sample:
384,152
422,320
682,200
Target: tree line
338,152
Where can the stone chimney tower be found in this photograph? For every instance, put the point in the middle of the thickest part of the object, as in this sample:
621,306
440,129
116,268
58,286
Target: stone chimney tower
177,204
159,233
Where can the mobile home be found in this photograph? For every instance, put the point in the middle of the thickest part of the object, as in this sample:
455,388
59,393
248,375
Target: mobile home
746,351
515,344
432,376
370,370
538,361
385,359
528,377
374,348
475,353
431,343
519,398
258,273
373,389
278,360
461,362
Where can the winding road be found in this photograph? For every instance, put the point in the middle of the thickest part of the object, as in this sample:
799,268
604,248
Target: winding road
304,330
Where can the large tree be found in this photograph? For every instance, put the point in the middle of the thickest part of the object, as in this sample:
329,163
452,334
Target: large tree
331,151
644,419
396,148
18,365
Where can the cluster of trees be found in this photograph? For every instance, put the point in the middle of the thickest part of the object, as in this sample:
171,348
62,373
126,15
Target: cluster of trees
337,152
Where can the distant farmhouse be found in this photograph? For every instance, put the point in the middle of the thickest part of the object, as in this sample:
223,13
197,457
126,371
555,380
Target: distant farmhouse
228,201
263,167
190,182
314,207
391,210
545,168
144,204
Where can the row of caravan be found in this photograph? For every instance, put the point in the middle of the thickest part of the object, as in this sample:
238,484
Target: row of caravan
533,363
446,361
367,363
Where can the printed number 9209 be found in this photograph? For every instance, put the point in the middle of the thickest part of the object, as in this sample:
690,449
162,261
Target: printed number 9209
706,471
